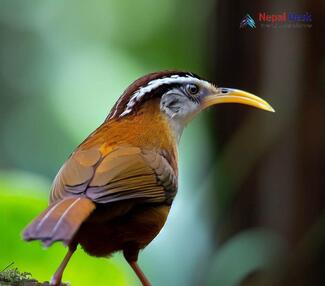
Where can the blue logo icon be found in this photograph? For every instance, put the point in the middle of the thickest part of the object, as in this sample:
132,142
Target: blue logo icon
248,21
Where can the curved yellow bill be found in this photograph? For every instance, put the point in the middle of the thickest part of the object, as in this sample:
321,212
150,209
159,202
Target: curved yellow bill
229,95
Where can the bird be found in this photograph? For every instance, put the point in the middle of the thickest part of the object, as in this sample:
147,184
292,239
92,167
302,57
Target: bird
114,192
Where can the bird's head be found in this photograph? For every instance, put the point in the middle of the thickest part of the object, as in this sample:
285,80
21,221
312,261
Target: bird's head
179,96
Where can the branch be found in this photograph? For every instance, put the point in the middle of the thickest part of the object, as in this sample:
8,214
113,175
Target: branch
12,277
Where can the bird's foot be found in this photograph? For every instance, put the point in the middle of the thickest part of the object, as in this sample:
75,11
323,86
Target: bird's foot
56,280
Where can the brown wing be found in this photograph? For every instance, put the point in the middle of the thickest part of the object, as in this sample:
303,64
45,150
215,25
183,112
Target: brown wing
125,173
76,173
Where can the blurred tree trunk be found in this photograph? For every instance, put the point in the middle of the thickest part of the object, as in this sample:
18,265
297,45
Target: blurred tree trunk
275,161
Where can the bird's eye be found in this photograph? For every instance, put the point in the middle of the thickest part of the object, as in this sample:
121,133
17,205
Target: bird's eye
192,88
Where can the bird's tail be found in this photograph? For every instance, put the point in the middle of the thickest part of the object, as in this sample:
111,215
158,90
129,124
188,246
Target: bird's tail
60,221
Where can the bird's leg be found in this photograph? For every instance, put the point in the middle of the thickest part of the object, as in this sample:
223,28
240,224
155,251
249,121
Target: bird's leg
136,268
57,277
131,256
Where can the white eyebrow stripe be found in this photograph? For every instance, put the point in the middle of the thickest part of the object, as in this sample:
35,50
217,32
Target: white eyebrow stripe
138,95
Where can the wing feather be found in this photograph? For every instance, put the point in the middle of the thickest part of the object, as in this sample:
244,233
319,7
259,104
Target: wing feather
125,173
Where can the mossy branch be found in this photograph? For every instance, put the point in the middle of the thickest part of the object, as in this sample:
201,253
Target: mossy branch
13,277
